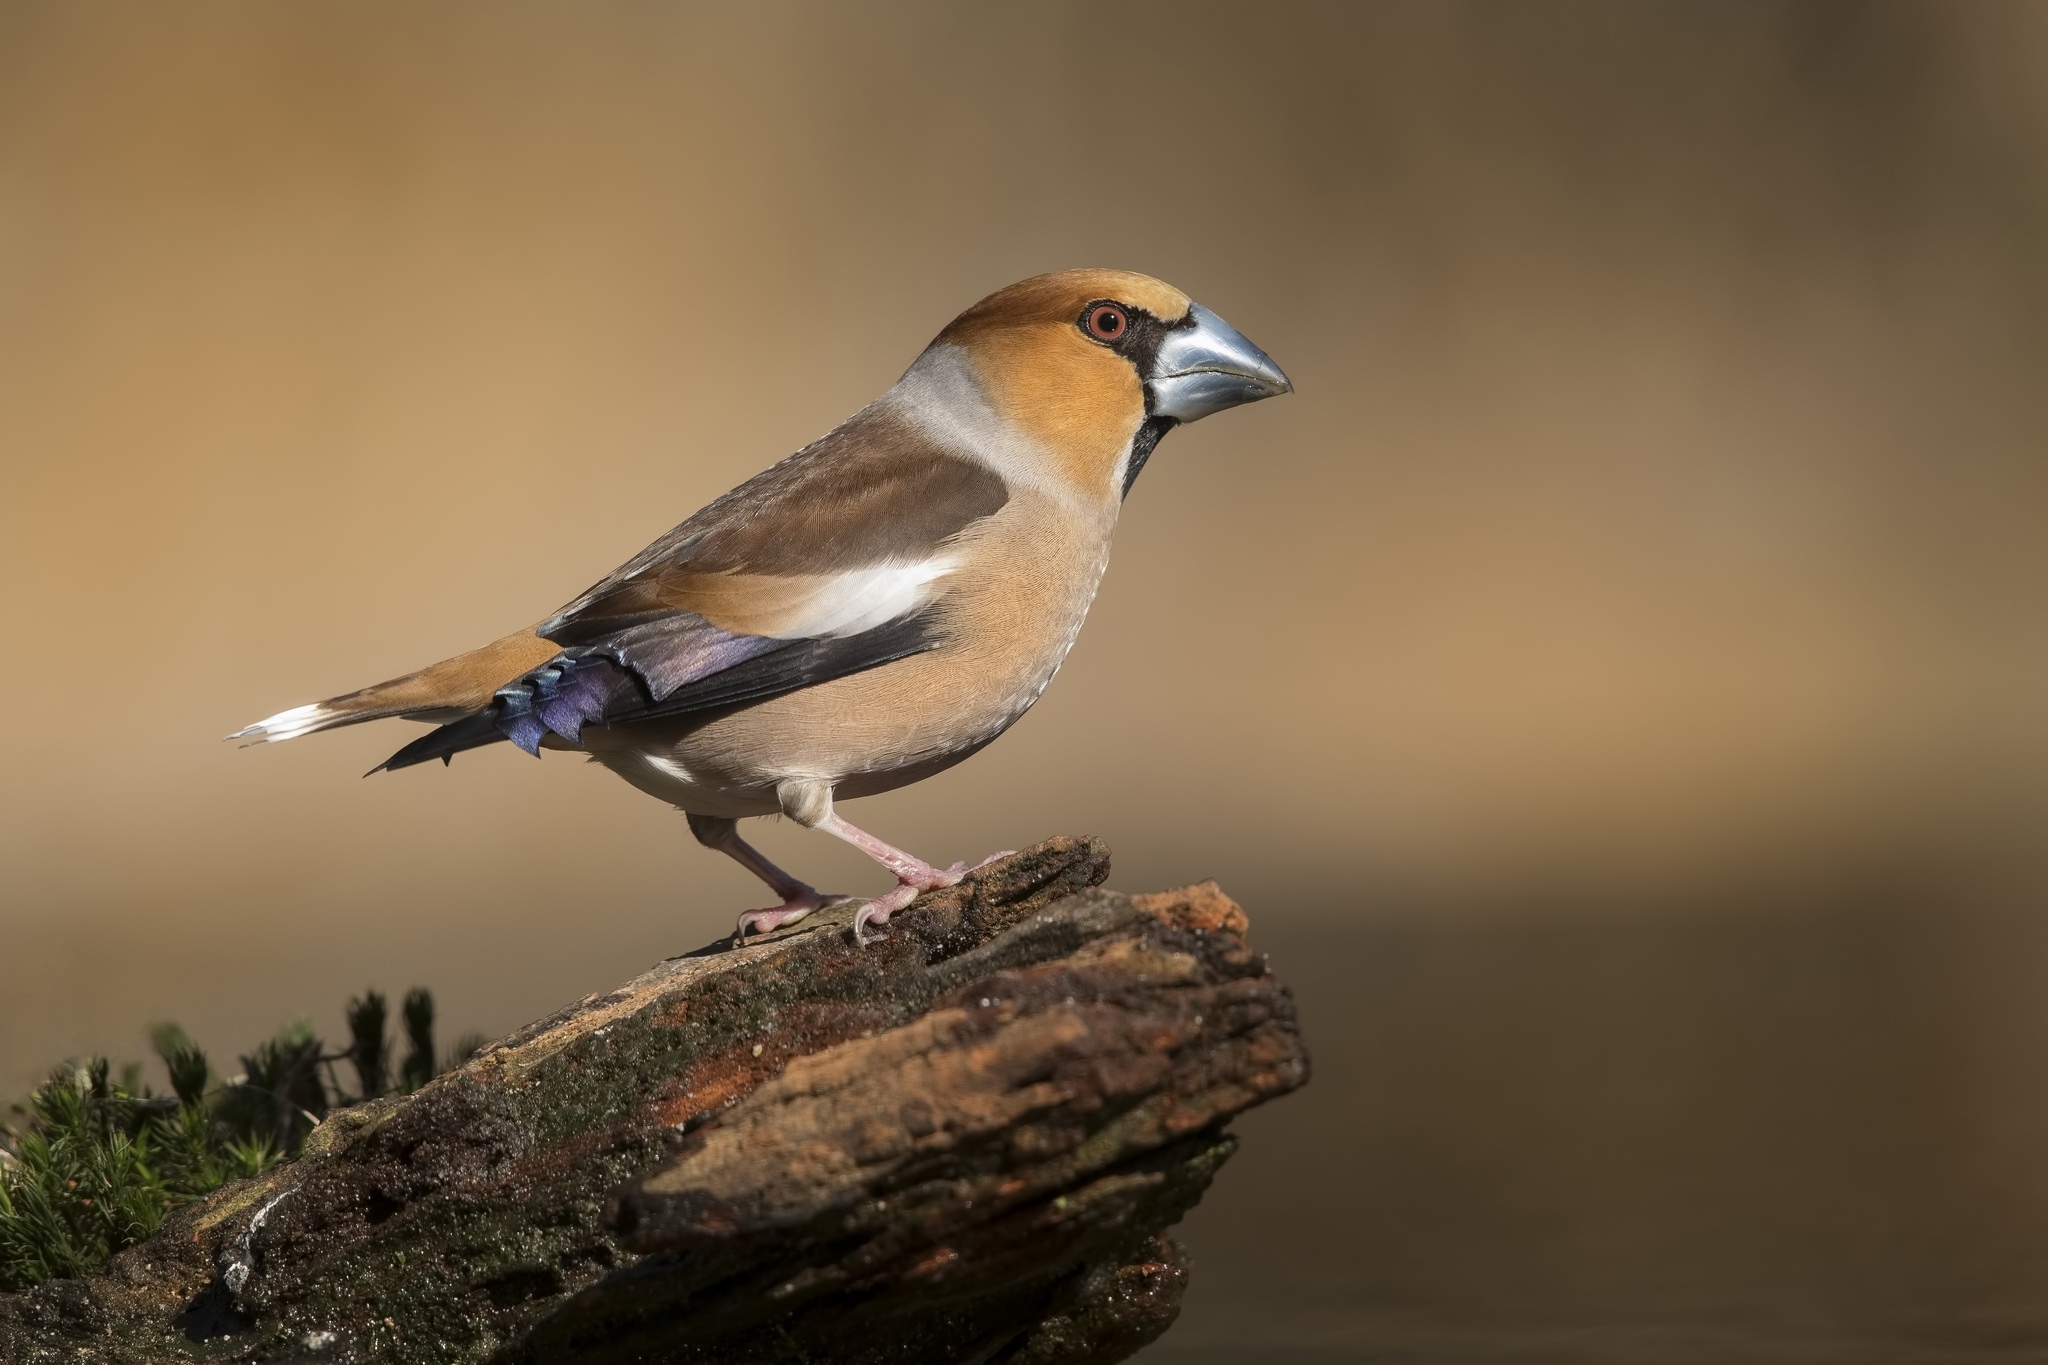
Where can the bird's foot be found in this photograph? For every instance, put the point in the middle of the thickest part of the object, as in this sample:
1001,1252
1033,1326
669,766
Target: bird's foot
925,878
796,907
878,910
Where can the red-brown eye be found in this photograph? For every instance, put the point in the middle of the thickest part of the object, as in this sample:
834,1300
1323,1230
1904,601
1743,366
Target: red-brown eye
1106,322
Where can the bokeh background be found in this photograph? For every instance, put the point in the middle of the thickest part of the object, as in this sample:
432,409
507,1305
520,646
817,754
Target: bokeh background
1614,682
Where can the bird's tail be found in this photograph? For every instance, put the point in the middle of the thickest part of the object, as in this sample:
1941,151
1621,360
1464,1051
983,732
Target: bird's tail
444,691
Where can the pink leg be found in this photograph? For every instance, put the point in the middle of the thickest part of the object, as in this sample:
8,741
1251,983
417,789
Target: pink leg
913,874
798,898
910,869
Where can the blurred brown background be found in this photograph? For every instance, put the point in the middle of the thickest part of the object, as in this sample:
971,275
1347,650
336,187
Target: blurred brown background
1614,682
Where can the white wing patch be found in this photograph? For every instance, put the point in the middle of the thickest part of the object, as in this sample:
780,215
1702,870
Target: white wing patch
861,599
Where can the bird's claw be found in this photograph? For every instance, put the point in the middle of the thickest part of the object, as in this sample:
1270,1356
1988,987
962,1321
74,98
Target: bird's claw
797,907
878,910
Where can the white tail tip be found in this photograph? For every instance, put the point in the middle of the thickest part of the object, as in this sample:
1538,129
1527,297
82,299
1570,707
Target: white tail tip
300,720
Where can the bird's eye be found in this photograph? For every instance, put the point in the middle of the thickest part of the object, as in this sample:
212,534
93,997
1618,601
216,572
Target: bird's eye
1105,322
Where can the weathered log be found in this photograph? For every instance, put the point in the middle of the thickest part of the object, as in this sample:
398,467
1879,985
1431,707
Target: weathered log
960,1143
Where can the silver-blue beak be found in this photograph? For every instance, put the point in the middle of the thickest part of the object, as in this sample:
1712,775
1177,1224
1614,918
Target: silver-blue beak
1205,365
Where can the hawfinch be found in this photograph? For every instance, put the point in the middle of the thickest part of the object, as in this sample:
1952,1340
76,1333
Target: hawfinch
871,610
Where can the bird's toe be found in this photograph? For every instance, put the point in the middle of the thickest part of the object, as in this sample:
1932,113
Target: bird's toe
878,910
796,908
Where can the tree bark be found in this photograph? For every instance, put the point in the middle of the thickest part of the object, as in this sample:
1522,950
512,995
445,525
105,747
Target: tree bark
962,1143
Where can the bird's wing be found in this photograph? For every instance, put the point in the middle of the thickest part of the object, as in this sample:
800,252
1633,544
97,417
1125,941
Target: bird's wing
826,564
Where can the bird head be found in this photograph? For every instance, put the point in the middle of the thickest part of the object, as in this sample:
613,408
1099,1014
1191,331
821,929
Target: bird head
1095,365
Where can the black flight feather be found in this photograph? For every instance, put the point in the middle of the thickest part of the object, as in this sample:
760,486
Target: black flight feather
524,710
473,731
800,664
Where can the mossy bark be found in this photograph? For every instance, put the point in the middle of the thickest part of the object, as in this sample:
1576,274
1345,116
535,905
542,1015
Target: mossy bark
962,1143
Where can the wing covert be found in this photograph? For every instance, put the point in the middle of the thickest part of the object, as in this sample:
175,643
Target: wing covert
829,563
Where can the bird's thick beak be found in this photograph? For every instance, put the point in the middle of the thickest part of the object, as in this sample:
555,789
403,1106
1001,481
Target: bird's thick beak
1205,365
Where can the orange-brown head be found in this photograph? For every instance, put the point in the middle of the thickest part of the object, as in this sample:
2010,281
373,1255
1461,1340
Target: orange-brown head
1095,365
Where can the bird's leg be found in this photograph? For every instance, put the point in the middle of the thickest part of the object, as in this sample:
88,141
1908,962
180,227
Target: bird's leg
909,869
798,898
913,874
809,803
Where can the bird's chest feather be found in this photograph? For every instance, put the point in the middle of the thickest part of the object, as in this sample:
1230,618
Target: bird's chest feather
1011,622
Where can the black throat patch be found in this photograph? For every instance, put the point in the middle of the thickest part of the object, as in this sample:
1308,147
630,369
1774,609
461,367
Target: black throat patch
1142,445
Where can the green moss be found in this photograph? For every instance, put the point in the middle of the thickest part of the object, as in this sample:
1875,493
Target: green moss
99,1163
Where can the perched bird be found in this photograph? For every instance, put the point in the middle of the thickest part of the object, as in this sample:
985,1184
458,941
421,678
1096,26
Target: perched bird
871,610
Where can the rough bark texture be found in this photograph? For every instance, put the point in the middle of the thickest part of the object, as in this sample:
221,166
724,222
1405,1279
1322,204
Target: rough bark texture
960,1144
